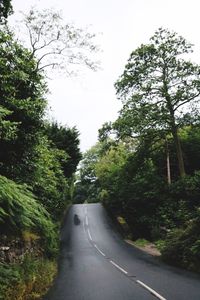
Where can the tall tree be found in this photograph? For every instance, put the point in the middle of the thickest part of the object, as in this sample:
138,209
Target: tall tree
159,86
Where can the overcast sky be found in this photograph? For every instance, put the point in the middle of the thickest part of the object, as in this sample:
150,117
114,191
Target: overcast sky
89,100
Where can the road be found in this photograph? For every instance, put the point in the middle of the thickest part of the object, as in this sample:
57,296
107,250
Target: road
97,264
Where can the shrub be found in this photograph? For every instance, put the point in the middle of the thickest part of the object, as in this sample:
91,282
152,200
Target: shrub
26,281
182,246
20,211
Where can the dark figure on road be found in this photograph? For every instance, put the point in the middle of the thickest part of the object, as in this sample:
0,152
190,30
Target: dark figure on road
76,220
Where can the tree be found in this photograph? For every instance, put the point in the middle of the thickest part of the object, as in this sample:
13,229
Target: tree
8,129
65,139
22,99
58,45
87,180
5,10
47,180
158,87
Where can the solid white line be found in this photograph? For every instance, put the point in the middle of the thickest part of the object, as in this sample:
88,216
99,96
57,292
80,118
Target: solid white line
99,250
122,270
150,290
89,235
86,220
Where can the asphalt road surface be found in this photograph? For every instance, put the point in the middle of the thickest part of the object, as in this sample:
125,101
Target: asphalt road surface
97,264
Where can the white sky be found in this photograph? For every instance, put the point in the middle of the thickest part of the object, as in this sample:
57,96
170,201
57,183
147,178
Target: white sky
89,100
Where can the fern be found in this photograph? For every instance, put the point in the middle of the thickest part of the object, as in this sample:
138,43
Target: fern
20,210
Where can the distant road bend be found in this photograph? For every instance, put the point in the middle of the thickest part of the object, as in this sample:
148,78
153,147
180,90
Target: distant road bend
96,264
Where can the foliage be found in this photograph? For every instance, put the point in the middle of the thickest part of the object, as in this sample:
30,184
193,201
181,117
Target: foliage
182,246
109,164
87,186
5,10
181,201
48,180
20,210
28,280
31,151
65,139
8,129
21,94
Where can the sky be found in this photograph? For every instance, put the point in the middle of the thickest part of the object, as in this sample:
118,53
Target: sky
89,100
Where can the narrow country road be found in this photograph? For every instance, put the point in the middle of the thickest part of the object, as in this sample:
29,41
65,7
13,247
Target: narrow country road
96,264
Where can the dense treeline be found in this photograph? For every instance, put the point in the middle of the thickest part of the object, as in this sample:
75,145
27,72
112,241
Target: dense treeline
38,157
35,152
145,167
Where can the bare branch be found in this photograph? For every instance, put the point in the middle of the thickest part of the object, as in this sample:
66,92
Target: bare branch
186,101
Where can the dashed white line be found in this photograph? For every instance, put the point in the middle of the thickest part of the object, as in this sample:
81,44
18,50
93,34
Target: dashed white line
99,250
150,290
118,267
89,234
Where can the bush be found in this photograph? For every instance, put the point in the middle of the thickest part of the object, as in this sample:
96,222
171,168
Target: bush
26,281
20,211
182,246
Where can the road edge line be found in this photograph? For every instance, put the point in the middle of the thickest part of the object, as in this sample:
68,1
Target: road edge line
99,250
150,290
118,267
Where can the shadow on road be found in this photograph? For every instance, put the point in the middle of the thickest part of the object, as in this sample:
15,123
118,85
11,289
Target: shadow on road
77,221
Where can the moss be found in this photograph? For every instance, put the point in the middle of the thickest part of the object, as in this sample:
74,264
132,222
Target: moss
141,242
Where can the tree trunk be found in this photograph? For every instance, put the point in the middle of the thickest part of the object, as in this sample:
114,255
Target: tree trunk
178,151
174,131
168,164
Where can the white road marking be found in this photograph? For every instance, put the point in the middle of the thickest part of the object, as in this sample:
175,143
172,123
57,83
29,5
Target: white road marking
150,290
86,220
89,234
118,267
99,250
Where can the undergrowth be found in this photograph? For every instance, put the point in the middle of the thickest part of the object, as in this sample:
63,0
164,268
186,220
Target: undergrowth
21,211
28,280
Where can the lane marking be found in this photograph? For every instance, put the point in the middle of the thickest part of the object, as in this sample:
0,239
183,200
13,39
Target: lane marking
153,292
118,267
99,250
150,290
86,220
89,234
